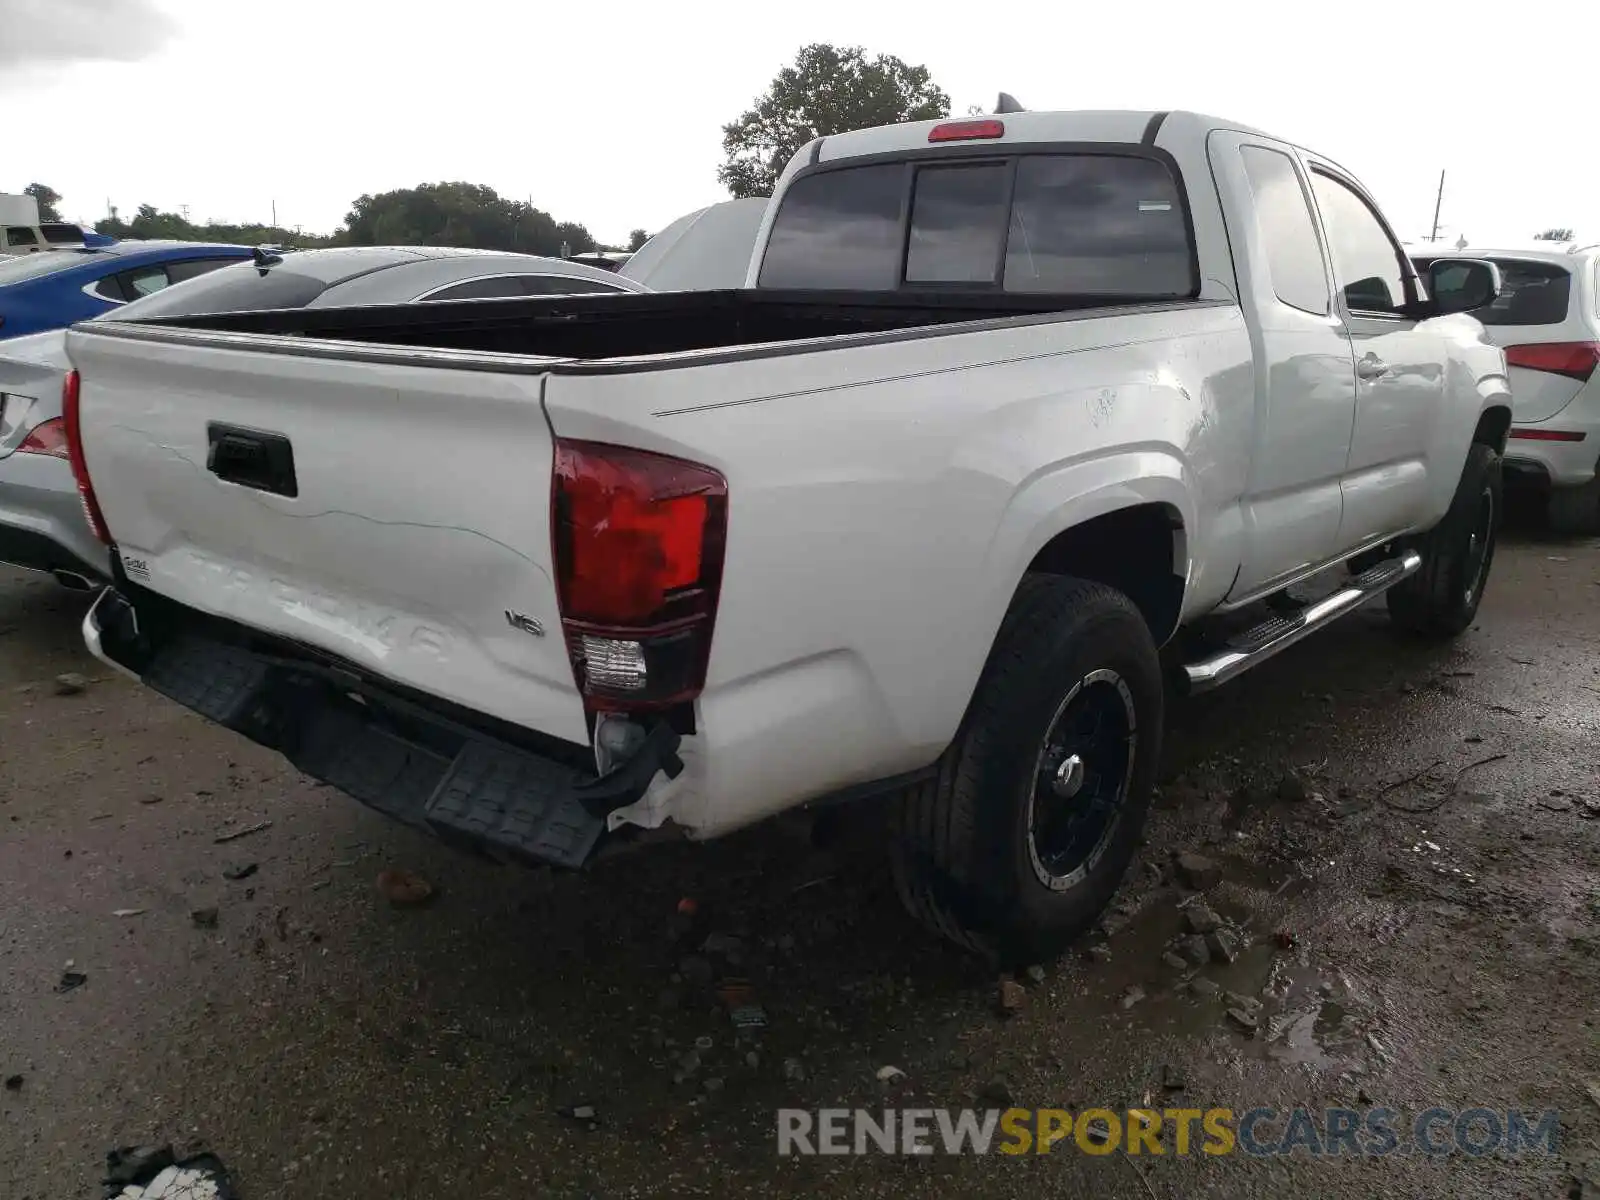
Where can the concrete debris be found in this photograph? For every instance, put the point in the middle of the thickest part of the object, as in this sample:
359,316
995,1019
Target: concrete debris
204,918
403,889
70,683
1201,919
1035,974
1223,945
794,1070
713,1085
234,835
1194,950
889,1074
129,912
1176,961
1245,1021
584,1114
1197,871
71,980
1205,989
1133,995
239,870
1098,953
1010,998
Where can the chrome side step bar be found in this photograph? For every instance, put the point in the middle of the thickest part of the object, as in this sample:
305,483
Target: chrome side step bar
1261,642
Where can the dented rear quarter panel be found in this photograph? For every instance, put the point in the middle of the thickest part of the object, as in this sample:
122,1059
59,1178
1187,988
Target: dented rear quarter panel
886,498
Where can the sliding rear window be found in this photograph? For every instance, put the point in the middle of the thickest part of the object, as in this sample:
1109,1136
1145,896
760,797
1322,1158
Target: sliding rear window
1087,224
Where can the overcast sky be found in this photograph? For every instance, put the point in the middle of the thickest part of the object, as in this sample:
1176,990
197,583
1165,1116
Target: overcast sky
610,112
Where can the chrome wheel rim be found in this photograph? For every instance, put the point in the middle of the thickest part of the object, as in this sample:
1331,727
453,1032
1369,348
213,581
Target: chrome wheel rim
1080,780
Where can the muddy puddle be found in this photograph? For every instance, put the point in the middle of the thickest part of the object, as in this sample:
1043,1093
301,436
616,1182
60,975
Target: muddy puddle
1223,963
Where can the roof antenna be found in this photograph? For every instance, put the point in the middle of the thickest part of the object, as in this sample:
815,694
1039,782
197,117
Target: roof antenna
1008,104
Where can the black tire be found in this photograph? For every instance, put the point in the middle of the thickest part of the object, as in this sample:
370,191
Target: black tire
1575,510
1441,600
965,858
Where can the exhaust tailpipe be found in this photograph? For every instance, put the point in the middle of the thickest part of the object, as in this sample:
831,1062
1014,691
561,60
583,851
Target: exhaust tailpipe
73,580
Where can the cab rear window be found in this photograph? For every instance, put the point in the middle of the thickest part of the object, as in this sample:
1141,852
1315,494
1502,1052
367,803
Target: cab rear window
1086,224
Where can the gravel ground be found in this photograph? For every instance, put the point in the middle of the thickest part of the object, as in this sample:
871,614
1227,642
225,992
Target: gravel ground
1420,931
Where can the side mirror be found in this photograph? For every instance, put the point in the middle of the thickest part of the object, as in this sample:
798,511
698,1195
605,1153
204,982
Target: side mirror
1460,285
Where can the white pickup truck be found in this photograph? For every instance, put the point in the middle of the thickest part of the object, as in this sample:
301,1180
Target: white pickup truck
1007,405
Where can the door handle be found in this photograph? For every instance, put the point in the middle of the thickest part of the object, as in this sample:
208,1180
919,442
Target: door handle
1371,367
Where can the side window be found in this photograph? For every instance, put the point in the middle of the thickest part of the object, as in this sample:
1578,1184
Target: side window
481,289
143,281
958,223
110,288
1366,258
1283,213
189,268
21,235
564,285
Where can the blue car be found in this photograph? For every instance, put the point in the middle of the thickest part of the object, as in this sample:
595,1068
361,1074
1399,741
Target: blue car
56,288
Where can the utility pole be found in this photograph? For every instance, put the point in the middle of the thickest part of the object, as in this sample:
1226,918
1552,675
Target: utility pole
1438,200
184,209
274,214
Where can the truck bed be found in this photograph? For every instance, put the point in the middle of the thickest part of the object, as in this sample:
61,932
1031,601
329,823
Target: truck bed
582,329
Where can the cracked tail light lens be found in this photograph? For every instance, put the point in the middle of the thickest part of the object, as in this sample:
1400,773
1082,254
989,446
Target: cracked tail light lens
48,438
638,540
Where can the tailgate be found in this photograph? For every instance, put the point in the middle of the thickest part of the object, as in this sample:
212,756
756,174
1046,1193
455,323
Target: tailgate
391,508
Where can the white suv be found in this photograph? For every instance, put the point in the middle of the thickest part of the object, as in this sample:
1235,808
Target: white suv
1548,321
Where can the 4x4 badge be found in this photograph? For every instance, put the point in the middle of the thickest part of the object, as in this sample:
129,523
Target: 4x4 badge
524,622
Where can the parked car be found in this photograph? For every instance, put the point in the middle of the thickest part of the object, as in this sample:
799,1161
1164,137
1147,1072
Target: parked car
51,291
1547,318
352,275
708,249
42,526
1009,403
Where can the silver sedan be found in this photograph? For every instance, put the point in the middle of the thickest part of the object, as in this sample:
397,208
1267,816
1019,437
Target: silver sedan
42,527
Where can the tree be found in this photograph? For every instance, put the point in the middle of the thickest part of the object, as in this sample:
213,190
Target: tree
150,222
1554,235
459,214
47,198
637,239
828,90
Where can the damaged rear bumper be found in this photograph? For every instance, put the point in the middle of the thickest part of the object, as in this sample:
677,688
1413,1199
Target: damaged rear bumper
499,790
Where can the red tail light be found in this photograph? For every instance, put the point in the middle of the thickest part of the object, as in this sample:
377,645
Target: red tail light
638,550
48,437
1576,360
80,469
966,131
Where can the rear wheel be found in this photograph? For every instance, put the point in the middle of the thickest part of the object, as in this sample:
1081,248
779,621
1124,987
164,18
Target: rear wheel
1018,843
1442,598
1575,509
